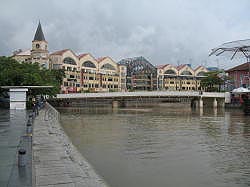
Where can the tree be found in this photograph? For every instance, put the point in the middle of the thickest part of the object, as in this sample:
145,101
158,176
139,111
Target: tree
13,73
213,81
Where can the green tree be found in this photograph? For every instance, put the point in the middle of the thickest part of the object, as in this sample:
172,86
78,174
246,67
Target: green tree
213,81
13,73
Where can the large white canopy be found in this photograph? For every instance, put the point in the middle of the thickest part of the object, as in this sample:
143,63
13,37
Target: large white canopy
241,90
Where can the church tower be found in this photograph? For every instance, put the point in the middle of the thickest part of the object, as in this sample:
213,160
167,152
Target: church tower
39,51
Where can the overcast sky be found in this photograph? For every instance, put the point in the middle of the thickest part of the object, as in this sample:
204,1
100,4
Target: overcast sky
163,31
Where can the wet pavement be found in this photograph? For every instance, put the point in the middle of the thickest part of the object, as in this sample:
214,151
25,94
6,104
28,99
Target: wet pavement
12,137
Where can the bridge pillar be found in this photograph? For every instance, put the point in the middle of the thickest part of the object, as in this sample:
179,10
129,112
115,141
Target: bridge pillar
215,103
201,111
201,102
194,103
115,104
221,103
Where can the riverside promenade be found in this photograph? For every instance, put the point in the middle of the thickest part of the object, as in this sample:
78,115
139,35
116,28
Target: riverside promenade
56,162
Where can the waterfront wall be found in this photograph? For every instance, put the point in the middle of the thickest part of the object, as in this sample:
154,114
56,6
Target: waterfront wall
56,160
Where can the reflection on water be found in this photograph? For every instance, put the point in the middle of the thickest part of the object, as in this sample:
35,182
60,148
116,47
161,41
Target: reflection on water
163,146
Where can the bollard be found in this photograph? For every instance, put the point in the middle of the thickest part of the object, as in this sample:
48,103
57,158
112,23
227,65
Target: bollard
29,128
29,123
32,116
21,157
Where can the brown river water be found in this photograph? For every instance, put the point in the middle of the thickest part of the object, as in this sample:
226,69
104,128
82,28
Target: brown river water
163,146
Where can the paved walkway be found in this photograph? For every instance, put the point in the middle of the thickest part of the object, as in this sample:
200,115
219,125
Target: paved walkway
56,162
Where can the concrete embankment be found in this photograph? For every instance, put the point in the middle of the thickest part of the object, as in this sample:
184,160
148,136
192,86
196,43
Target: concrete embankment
56,162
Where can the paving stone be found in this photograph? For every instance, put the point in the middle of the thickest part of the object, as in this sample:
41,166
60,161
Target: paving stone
57,163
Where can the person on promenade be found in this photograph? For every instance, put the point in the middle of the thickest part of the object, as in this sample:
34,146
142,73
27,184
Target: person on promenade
35,106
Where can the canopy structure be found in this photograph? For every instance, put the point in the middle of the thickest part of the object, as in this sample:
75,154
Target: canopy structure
233,48
240,90
18,95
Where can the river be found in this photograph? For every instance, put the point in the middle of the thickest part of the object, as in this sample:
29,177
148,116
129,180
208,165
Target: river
163,146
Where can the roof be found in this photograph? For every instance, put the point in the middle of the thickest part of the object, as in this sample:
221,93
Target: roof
162,66
59,52
134,60
39,33
242,67
101,59
82,55
23,53
181,66
200,67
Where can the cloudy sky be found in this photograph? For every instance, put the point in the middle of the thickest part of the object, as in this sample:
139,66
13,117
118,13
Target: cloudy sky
163,31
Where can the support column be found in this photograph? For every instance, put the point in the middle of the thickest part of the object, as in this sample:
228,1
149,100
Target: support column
201,111
115,104
194,103
201,102
215,103
221,103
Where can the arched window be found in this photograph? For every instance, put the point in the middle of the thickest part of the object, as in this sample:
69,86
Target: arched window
202,73
186,73
108,67
69,60
170,71
88,64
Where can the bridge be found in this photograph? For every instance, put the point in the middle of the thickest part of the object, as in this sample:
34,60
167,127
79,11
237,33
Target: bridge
197,99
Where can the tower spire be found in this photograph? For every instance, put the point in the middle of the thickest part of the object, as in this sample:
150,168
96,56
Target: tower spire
39,33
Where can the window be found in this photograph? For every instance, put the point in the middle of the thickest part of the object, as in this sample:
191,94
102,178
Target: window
186,73
108,67
170,71
37,46
69,60
202,73
89,64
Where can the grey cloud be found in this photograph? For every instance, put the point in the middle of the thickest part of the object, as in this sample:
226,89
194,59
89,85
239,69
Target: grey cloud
164,31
